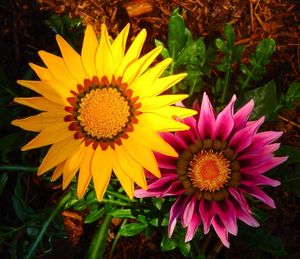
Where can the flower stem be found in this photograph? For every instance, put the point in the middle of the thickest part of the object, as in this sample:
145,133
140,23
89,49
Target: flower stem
54,213
97,247
17,168
111,253
227,80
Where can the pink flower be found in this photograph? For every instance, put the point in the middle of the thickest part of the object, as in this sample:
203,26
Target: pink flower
222,158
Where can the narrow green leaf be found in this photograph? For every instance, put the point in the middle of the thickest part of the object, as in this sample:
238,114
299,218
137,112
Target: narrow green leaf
94,216
176,33
164,53
3,180
132,229
229,33
167,244
265,100
122,213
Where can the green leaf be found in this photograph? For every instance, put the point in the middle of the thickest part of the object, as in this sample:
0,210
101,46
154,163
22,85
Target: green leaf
122,213
167,244
132,229
80,205
10,140
159,222
265,100
293,95
259,239
221,45
256,69
94,216
164,53
176,33
196,48
23,211
3,180
292,152
229,33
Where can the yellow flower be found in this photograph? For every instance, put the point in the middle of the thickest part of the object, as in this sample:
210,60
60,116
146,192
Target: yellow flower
102,111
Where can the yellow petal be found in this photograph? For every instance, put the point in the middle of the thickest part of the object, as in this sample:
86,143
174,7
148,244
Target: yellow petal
118,46
174,111
40,103
133,52
49,89
72,165
68,177
101,167
57,172
153,141
72,59
147,79
136,68
142,155
49,135
58,153
159,86
126,182
104,59
159,123
85,174
131,167
42,72
151,103
38,122
58,69
88,52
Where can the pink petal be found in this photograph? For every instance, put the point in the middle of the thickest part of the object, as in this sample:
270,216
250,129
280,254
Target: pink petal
166,162
224,122
226,212
174,213
246,218
157,188
255,160
176,142
241,116
188,212
243,138
221,231
273,162
243,211
207,214
193,226
174,189
191,121
258,194
187,136
258,179
206,122
261,139
264,151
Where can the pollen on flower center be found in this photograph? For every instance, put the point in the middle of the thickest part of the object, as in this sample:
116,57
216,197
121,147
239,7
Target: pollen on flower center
103,112
207,168
209,171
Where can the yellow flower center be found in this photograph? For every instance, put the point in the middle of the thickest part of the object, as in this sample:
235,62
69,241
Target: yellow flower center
103,113
209,171
207,168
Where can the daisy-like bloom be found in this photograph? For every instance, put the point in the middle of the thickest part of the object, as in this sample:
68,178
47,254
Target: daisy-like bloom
102,111
222,159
